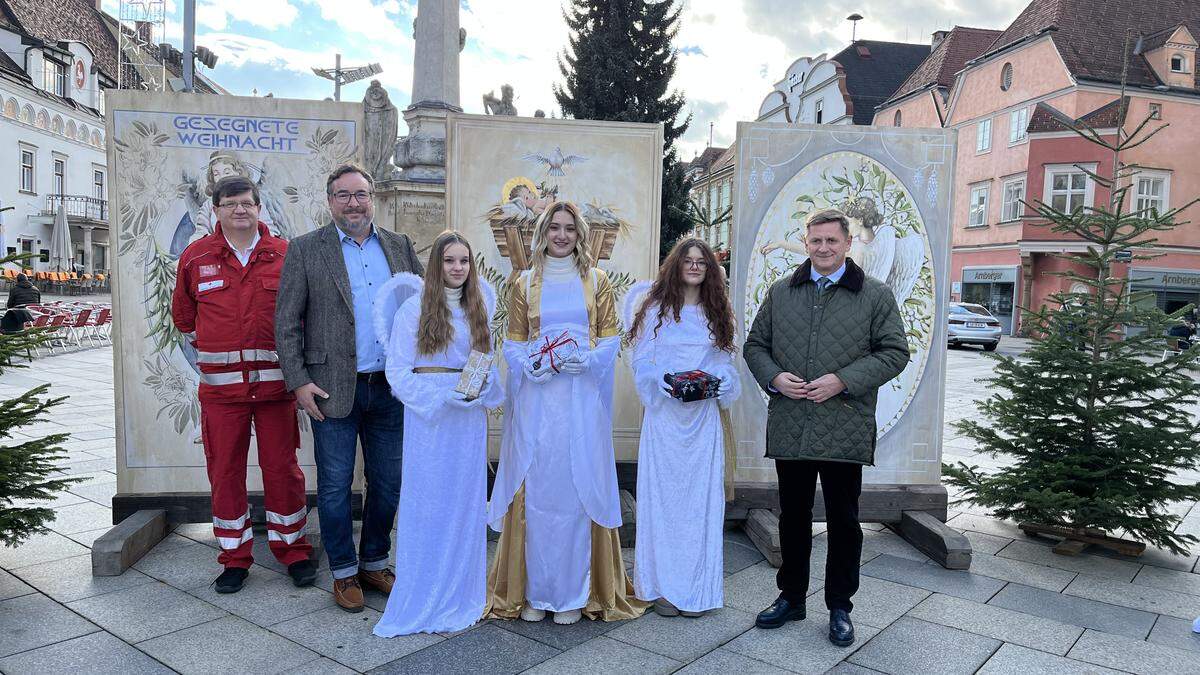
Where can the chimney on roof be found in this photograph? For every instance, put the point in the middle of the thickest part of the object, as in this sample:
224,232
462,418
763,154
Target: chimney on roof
144,30
939,36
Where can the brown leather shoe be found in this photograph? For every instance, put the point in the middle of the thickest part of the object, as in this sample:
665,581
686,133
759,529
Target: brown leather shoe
348,594
380,580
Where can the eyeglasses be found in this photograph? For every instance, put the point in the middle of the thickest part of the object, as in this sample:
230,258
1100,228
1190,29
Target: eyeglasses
344,197
233,206
697,264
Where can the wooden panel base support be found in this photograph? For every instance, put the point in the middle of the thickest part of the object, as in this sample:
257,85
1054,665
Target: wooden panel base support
879,503
196,507
942,543
1075,542
119,548
762,527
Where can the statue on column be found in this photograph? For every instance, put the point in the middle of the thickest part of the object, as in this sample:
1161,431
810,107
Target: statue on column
382,123
500,106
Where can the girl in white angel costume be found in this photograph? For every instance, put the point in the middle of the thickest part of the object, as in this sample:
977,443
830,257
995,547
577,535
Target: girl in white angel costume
682,322
430,330
555,496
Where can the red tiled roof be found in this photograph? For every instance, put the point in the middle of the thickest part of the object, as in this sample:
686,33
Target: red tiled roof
76,20
960,45
706,158
726,159
1090,34
1047,119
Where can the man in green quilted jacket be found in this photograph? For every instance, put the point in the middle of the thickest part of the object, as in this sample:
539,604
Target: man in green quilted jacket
823,342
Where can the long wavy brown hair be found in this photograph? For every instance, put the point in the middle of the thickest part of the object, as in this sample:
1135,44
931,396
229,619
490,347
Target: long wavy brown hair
667,294
435,330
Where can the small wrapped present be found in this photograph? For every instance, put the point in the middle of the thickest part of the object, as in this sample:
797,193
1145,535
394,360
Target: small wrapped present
474,375
692,385
557,351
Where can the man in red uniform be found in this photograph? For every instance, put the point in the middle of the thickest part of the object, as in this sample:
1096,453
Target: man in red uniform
224,303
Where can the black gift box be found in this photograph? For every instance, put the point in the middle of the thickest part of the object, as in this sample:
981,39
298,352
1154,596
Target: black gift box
692,385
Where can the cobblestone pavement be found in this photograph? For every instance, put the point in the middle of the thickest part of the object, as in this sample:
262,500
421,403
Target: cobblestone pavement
1021,608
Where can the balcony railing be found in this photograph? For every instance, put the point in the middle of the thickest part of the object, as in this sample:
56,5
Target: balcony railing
79,207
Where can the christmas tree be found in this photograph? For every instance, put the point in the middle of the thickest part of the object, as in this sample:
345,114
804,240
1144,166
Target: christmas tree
619,68
26,467
1095,414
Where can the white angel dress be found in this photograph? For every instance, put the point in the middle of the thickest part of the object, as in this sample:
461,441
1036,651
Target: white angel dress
441,562
681,461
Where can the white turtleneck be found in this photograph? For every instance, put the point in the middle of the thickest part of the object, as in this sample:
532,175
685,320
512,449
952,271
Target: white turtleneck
560,269
453,297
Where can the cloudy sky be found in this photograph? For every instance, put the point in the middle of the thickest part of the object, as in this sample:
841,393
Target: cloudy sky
731,51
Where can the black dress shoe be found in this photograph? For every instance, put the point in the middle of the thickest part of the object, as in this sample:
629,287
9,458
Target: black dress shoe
303,573
231,580
780,612
841,631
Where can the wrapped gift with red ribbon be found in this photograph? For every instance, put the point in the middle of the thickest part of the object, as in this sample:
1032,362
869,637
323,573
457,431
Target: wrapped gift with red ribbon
558,350
692,385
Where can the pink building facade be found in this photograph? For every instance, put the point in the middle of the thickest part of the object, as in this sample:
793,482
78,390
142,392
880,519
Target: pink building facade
1012,104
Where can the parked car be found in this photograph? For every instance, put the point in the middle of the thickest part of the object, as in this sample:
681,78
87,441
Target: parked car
972,324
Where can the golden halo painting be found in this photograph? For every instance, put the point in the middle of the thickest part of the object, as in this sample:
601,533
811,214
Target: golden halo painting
889,241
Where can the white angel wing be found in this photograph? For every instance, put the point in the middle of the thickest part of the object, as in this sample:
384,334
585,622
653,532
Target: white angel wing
573,159
906,266
875,256
390,297
536,157
489,297
634,297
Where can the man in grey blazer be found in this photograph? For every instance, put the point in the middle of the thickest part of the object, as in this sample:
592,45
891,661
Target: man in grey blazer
333,363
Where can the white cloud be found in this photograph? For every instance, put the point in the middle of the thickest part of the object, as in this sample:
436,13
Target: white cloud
506,46
235,50
384,25
268,14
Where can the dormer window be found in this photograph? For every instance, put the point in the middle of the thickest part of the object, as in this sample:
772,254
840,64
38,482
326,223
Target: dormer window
55,80
896,120
1178,63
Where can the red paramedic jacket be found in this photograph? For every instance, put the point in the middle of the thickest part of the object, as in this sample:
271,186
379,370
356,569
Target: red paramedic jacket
228,313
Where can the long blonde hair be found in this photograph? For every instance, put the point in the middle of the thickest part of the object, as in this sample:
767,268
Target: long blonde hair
435,330
583,250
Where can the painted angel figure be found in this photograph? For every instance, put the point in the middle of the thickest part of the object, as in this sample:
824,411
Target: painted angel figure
521,202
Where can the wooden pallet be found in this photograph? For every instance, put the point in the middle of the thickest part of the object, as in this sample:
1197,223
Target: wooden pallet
1076,541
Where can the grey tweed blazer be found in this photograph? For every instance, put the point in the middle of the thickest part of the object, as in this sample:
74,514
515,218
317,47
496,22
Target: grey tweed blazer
314,313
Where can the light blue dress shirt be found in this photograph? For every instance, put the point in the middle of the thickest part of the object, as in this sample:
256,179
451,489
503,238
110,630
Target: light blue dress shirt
367,267
833,278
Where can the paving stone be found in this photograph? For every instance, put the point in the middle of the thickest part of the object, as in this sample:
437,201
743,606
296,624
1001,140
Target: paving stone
799,646
890,543
1075,611
321,666
40,548
1174,632
1170,580
34,620
1017,660
1155,557
59,500
347,638
227,645
995,622
146,611
486,650
83,465
754,588
267,598
985,544
185,565
914,646
89,537
993,526
201,533
1084,564
1145,598
604,655
71,579
684,638
80,518
725,662
933,578
97,653
560,637
101,493
877,603
1011,569
1134,656
739,552
12,587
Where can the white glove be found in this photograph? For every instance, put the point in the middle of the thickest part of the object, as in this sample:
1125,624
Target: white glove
457,400
575,365
539,375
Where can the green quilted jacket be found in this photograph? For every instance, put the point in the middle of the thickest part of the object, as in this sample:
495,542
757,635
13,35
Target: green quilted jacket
853,330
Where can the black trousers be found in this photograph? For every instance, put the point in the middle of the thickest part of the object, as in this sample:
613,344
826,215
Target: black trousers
841,483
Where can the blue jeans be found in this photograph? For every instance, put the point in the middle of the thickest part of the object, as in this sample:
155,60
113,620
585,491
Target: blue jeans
378,419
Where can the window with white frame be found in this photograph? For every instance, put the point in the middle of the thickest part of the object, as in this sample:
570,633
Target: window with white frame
1018,123
725,195
1011,207
1151,192
819,110
983,135
1178,63
98,183
1068,187
977,217
55,80
60,175
27,170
